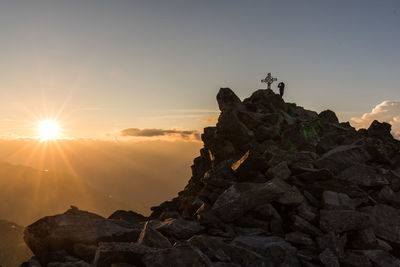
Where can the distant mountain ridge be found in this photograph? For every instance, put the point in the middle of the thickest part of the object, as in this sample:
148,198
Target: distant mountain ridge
274,185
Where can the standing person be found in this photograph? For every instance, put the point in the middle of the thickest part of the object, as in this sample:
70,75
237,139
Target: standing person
281,87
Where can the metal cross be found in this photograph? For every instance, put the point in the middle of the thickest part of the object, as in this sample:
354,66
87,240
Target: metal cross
269,80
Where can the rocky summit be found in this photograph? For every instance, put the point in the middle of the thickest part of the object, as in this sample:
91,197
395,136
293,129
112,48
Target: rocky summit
274,185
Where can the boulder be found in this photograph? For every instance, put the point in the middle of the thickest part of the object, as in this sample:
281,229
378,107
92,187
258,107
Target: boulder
343,220
242,197
362,175
274,248
120,252
227,100
62,231
329,259
380,130
182,254
299,224
249,165
342,157
328,116
385,221
152,238
353,259
178,228
381,258
299,238
334,200
280,171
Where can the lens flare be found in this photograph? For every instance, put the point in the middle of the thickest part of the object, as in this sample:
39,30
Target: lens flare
48,130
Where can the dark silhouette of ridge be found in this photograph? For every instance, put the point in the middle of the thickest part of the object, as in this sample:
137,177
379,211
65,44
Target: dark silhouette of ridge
274,185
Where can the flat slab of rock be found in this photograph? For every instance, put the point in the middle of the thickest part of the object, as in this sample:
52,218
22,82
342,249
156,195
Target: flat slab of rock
362,175
274,248
152,238
381,258
342,157
120,252
62,231
242,197
178,228
335,200
180,255
385,220
343,220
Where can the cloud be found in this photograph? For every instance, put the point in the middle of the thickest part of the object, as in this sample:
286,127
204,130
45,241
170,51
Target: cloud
150,132
210,120
387,111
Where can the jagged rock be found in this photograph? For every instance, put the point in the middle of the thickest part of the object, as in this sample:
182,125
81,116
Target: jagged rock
299,224
387,195
217,250
116,252
328,116
299,238
128,216
307,212
343,220
363,175
280,171
385,221
312,175
152,238
84,251
178,228
364,239
334,200
333,242
380,130
242,197
275,249
228,100
352,259
182,254
61,231
249,165
329,259
269,213
291,195
342,157
381,258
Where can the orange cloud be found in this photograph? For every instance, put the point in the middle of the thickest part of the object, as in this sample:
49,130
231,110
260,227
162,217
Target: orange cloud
211,120
150,132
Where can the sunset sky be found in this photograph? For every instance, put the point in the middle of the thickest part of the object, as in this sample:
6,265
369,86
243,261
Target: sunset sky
100,67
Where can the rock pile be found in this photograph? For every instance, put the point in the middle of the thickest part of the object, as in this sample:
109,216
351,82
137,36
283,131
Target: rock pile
274,185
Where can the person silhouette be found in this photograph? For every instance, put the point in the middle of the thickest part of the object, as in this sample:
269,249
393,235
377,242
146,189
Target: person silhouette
281,87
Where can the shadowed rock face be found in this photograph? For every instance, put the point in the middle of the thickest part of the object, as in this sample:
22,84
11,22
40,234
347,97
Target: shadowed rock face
274,185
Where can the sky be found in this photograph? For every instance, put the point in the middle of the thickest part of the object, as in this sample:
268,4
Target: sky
100,67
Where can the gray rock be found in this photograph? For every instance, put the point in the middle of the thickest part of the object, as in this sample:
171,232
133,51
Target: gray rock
217,250
291,195
343,220
152,238
299,224
329,259
182,254
328,116
117,252
242,197
59,232
281,171
334,200
228,100
33,262
312,175
364,239
352,259
342,157
249,165
385,222
387,195
333,242
179,228
362,175
381,258
275,249
299,238
307,211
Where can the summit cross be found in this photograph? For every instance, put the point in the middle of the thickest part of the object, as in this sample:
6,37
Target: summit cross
269,80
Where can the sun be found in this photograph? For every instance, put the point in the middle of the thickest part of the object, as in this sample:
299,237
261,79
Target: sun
48,130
